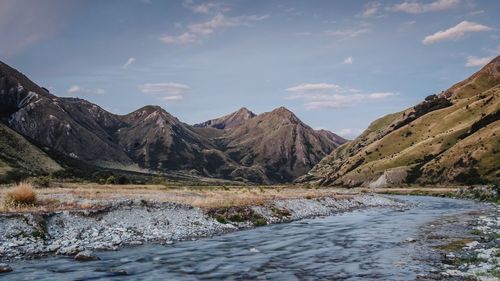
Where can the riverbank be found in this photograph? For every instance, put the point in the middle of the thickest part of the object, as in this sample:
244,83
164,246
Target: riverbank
463,246
129,222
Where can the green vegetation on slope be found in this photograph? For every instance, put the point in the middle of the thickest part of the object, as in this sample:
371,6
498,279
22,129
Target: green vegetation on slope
451,137
19,155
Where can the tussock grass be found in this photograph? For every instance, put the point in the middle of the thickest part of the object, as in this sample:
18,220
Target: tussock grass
89,195
20,195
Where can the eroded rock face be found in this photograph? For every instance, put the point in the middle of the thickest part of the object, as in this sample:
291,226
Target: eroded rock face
453,137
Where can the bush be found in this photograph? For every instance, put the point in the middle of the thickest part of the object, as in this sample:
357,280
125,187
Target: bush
111,180
21,195
260,222
41,181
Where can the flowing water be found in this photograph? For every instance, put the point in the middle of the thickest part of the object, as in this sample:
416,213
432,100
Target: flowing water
360,245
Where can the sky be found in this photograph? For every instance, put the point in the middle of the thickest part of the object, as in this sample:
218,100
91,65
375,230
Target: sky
338,65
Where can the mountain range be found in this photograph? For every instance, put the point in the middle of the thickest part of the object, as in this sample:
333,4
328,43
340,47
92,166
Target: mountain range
450,137
272,147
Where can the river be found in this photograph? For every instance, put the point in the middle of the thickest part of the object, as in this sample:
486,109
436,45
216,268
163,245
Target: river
366,244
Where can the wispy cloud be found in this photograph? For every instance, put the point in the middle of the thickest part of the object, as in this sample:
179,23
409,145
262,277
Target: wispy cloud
456,32
350,133
26,23
76,90
329,95
415,7
473,61
205,7
165,91
197,32
129,62
371,9
348,60
351,32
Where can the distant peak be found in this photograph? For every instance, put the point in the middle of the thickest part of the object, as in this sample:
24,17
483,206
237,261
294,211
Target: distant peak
244,111
282,111
150,108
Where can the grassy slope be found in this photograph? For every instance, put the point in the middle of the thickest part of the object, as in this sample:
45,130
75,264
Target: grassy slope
433,143
18,153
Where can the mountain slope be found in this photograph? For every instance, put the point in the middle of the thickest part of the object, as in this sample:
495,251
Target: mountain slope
229,121
16,153
69,126
157,140
450,137
278,143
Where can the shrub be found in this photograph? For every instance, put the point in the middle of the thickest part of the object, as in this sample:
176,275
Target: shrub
221,219
21,195
111,180
41,181
260,222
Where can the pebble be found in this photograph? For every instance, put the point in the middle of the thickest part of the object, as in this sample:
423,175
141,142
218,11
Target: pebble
86,256
4,268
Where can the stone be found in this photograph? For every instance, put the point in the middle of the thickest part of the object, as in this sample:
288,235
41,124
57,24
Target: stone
86,256
118,271
410,240
4,268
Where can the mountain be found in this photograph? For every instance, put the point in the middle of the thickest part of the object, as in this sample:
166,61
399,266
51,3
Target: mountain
229,121
451,137
278,143
269,148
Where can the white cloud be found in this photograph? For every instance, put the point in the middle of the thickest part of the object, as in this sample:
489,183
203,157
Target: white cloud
311,87
329,95
348,33
76,90
380,95
129,62
205,8
165,91
350,133
473,61
414,7
456,32
196,32
371,9
348,60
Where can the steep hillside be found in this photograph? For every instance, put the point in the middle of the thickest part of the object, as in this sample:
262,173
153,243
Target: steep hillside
157,140
450,137
18,154
279,144
69,126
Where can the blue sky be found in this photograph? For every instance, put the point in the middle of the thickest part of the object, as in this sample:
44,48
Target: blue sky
337,64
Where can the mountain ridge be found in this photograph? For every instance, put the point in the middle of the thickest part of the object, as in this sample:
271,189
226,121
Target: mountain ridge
148,139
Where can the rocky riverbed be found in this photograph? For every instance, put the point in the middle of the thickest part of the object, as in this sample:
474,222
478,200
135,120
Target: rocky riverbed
462,247
124,223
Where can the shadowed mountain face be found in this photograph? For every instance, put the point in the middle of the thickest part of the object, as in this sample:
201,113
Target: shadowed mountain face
269,148
453,137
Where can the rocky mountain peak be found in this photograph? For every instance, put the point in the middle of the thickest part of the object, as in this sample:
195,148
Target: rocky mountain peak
228,121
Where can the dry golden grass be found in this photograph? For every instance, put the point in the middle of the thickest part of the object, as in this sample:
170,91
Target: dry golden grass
81,196
21,195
